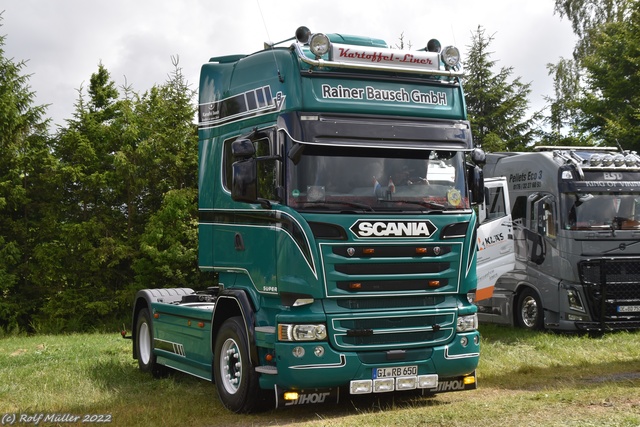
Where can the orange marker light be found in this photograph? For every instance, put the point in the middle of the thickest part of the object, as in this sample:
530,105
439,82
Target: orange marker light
434,283
355,286
368,251
156,315
201,324
421,251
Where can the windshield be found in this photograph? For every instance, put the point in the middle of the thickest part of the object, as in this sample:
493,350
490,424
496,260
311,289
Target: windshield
619,211
339,178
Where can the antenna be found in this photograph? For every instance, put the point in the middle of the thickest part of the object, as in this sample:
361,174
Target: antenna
269,38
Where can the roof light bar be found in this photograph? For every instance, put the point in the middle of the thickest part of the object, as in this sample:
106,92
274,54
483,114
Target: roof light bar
379,58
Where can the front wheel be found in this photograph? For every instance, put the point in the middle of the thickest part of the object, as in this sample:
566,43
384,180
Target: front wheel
529,311
235,377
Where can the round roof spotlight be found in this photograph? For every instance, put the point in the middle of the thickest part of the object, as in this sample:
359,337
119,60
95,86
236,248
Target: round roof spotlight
607,160
303,34
630,160
595,160
434,45
450,55
618,160
319,44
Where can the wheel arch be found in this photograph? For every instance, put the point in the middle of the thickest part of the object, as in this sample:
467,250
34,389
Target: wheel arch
230,303
144,298
523,286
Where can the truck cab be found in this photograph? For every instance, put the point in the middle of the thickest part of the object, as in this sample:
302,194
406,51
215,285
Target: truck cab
576,230
335,207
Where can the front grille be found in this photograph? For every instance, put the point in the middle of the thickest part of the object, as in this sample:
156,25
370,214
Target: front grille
390,303
391,270
386,332
395,293
612,287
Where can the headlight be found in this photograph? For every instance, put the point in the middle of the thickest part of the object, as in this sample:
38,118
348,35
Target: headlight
290,332
319,44
467,323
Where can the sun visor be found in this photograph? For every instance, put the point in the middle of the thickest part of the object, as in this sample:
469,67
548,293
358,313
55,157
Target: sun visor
379,132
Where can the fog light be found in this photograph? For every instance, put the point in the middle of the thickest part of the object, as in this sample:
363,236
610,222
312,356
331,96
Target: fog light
297,351
476,339
469,380
406,383
383,385
318,351
360,386
291,395
428,381
464,341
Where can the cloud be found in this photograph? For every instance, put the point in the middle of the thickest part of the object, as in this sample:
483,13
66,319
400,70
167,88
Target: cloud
64,40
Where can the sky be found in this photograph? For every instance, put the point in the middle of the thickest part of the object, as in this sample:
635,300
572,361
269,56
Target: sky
63,41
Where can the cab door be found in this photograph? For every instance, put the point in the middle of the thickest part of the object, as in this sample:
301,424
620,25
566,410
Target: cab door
496,248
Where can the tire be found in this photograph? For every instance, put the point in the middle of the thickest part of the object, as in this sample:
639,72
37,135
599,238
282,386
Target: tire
236,379
147,360
529,311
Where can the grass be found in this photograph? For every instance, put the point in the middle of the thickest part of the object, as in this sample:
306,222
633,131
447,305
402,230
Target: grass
525,379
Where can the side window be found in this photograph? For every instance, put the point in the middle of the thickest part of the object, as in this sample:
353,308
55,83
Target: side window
546,217
520,208
494,199
268,169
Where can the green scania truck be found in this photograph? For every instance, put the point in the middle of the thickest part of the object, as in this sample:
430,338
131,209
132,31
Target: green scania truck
335,209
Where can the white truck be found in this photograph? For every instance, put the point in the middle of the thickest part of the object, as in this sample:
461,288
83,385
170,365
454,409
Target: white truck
571,216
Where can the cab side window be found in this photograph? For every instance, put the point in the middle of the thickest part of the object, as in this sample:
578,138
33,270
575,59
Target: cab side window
545,219
268,170
495,203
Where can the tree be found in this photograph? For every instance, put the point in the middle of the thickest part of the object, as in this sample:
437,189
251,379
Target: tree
584,108
27,196
129,167
611,103
497,108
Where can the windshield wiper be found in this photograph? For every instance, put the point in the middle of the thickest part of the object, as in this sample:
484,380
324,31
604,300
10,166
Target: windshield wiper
334,202
426,204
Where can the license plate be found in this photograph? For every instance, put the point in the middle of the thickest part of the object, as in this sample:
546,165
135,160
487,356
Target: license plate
397,371
628,308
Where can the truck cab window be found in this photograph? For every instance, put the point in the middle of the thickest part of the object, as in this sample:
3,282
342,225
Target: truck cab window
545,218
495,203
268,169
334,177
601,210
